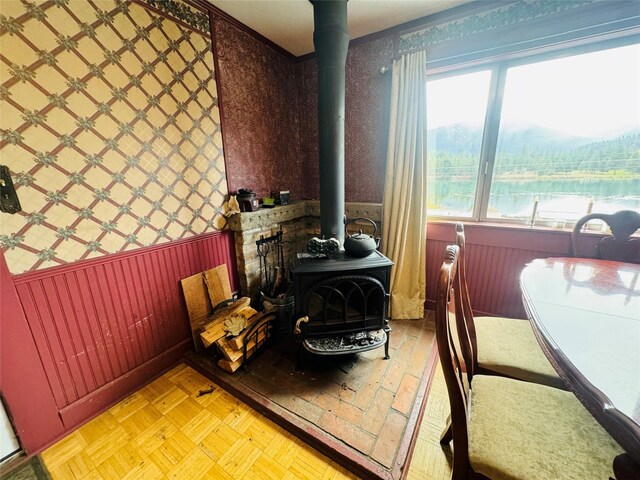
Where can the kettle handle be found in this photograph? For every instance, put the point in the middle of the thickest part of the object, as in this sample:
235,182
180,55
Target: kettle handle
375,227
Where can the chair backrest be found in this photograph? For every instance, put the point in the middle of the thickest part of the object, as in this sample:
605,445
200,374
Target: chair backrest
618,247
468,341
448,295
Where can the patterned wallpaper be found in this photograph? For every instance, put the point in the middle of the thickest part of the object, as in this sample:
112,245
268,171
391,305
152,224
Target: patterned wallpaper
110,127
308,74
366,121
259,94
500,17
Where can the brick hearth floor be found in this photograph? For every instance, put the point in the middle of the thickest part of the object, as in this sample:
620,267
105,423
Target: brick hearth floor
361,401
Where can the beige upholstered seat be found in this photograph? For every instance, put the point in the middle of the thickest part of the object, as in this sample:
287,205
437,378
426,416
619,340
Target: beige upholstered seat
507,429
528,431
508,347
498,345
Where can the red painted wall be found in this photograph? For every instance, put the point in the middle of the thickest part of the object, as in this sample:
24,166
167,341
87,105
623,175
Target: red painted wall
90,332
495,257
23,383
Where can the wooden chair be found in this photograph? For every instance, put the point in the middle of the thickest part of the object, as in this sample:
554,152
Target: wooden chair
498,345
619,246
509,429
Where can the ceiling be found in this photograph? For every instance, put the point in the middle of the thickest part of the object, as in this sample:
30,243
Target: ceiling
289,23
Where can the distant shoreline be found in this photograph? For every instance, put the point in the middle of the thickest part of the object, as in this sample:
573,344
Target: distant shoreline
557,176
571,176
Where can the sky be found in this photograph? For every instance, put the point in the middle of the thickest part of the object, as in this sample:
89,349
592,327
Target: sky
594,94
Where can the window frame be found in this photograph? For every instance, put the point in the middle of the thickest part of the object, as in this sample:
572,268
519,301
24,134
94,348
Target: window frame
499,66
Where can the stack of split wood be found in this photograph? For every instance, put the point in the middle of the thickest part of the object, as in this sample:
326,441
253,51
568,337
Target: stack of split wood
236,329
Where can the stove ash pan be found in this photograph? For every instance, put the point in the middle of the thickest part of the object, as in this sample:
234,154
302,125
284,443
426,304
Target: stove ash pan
342,304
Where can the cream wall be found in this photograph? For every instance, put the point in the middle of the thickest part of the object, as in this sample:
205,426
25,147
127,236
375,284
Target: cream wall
110,128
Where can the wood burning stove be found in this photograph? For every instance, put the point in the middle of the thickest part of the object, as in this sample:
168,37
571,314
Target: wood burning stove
342,303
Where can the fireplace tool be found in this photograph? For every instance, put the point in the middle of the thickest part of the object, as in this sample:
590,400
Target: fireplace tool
271,255
276,290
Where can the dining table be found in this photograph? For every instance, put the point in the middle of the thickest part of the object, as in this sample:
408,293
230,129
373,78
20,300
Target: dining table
585,314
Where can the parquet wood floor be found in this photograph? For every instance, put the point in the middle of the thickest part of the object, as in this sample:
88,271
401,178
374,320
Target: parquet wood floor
430,461
168,430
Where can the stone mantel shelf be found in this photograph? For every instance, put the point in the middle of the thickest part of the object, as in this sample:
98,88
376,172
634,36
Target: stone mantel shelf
268,217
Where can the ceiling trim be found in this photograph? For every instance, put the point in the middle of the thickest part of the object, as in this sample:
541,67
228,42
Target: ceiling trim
445,15
217,12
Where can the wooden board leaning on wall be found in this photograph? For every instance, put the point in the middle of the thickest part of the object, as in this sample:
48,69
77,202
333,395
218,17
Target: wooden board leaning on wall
204,292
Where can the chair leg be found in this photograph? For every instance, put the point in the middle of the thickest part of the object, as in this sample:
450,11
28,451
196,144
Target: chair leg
447,433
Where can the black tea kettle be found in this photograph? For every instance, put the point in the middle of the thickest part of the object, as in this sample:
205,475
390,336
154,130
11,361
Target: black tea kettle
360,244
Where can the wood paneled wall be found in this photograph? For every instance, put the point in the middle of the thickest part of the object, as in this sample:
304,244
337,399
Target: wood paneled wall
104,327
495,256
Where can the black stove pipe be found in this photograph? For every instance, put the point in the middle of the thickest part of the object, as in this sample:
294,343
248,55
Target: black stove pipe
331,41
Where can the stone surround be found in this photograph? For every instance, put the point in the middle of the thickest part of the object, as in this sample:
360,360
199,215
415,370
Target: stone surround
300,221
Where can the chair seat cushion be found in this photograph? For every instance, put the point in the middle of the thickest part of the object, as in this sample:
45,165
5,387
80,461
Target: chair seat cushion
507,346
520,430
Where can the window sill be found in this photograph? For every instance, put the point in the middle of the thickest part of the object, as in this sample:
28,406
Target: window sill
504,226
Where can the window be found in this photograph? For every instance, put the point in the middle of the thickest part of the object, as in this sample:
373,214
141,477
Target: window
456,109
545,141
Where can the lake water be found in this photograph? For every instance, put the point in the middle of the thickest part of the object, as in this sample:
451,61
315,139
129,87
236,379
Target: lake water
558,199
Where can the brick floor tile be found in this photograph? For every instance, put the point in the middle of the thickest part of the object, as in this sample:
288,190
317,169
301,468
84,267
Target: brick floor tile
301,407
354,436
343,391
305,392
406,349
377,413
398,334
342,409
284,363
263,369
388,441
336,376
398,367
415,327
361,368
406,394
298,384
265,387
418,360
364,396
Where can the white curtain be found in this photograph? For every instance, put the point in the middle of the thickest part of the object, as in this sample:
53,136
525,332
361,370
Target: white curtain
404,217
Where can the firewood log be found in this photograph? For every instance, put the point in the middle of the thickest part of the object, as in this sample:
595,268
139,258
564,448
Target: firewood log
236,342
234,355
214,330
233,366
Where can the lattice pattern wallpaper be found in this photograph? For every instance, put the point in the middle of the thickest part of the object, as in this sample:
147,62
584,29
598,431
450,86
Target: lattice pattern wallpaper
110,127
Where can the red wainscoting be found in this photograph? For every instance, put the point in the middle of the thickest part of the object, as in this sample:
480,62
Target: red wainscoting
23,383
104,327
495,256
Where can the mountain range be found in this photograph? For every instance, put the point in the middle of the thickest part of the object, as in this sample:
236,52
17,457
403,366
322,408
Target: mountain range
462,138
